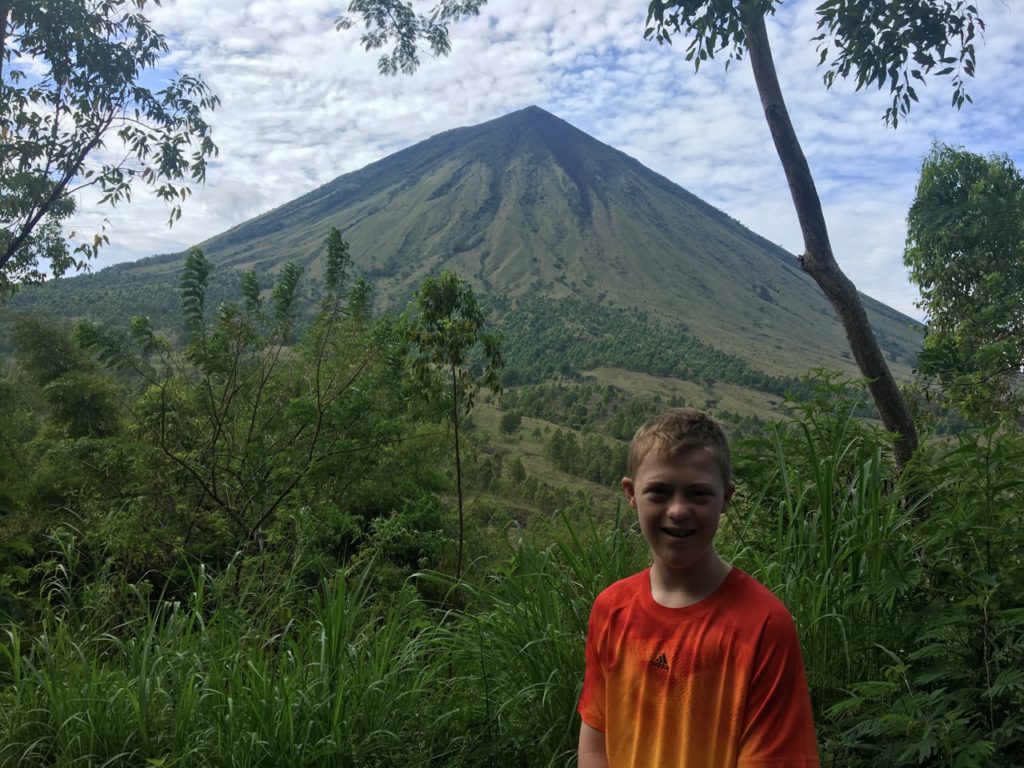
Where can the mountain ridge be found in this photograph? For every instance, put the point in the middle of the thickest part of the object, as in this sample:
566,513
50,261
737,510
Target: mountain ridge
527,204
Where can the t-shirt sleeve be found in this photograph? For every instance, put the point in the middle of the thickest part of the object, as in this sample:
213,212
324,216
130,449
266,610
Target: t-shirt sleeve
591,706
778,725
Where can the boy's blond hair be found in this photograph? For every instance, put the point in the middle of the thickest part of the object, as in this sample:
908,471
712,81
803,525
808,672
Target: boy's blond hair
676,431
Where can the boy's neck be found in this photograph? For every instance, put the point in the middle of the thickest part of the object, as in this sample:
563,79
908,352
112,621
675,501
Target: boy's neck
672,589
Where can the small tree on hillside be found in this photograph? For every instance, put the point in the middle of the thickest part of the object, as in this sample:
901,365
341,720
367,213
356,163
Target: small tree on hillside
454,356
510,423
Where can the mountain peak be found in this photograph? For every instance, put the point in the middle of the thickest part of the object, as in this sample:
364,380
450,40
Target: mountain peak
533,110
521,121
526,114
534,115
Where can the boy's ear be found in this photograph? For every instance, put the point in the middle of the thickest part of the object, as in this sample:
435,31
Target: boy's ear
630,490
730,489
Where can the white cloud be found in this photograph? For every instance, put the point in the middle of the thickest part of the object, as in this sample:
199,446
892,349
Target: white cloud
303,103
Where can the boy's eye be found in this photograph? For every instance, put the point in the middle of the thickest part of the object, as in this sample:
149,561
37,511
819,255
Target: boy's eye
701,494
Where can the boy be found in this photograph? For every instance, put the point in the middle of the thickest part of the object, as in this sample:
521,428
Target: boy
691,662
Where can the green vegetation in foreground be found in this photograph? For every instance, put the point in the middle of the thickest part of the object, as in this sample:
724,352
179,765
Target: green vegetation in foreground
905,591
234,551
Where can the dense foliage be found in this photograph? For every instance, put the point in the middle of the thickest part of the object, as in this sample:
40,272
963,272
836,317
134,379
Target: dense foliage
546,337
237,550
238,443
965,251
74,78
610,410
912,635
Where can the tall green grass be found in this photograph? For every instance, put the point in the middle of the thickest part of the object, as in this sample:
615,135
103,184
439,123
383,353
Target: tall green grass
905,590
350,682
353,678
836,551
518,642
951,689
905,587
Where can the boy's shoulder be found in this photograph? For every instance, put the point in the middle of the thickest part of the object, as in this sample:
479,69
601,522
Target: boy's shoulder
627,589
740,594
754,598
747,586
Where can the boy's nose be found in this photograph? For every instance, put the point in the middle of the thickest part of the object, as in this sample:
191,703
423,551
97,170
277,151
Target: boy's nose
677,508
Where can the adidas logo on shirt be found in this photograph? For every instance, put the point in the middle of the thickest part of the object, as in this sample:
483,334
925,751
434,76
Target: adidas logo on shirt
660,662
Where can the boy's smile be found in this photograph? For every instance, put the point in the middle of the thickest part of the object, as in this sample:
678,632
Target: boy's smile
678,533
679,501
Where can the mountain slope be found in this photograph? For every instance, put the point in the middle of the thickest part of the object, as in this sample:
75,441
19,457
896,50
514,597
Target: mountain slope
528,205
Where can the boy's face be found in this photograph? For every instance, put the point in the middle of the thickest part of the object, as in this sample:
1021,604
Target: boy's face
680,500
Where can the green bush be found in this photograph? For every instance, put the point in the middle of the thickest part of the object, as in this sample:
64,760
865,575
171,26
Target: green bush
904,587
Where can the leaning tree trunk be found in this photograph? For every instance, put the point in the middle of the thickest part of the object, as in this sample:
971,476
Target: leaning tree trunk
458,471
818,260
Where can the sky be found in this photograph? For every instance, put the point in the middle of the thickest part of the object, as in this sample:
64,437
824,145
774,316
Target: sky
302,103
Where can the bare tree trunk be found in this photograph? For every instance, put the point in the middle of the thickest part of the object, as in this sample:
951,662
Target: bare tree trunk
818,260
458,471
5,12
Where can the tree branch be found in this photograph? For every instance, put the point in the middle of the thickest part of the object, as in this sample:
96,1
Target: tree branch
58,191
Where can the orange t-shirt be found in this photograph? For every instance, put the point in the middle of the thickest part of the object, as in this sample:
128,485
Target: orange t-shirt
718,684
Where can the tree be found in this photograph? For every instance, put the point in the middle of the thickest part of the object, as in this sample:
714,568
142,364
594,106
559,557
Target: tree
909,40
965,252
517,472
249,427
78,400
877,42
71,79
448,335
510,423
